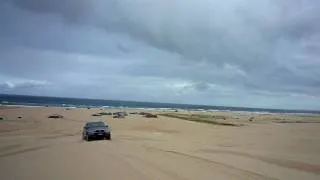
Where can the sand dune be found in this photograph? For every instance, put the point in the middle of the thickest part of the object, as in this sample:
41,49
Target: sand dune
35,147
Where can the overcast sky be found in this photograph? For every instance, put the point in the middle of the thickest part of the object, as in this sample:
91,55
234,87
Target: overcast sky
229,52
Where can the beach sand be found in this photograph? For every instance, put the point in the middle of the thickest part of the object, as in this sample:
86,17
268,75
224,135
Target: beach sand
35,147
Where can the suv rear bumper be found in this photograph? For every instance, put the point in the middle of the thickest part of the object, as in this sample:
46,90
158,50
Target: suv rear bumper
99,135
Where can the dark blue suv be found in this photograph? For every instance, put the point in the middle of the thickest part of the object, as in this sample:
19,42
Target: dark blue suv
96,130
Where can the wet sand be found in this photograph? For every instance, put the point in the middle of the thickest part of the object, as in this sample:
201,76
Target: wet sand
34,147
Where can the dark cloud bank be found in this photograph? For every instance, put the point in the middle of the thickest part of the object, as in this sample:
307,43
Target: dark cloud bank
234,52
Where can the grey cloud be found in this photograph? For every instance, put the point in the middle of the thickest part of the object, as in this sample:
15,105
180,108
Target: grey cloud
30,84
202,86
48,31
242,33
229,48
194,29
73,9
123,48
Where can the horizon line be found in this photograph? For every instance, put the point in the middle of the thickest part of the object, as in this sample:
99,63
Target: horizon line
222,106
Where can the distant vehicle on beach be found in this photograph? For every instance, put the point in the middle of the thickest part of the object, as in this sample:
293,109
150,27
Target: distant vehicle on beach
120,114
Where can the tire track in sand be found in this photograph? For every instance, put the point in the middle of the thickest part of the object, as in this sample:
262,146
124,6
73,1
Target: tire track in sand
301,166
169,173
15,149
23,151
230,170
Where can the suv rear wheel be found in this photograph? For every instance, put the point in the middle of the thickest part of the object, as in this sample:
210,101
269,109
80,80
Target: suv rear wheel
108,137
87,137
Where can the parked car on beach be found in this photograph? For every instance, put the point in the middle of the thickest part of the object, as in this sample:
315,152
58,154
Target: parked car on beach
119,115
96,130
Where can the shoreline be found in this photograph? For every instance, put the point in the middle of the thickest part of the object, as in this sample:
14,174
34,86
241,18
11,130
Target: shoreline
40,101
173,110
219,118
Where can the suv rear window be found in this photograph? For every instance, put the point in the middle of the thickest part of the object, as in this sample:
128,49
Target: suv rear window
95,124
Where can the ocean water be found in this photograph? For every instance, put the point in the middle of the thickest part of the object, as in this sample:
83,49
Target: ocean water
39,101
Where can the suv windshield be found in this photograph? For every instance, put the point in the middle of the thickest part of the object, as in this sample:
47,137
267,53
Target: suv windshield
96,124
